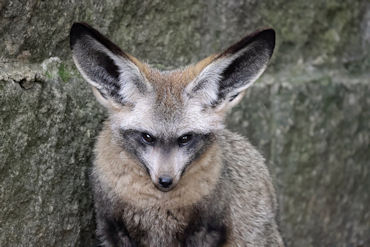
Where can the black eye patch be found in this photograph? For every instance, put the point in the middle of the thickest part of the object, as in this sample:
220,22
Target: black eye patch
142,137
199,145
132,142
193,144
198,142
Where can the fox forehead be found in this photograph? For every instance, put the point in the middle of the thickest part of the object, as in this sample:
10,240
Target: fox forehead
166,119
165,110
169,85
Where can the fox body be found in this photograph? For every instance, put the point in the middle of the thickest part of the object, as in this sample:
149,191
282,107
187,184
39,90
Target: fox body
166,171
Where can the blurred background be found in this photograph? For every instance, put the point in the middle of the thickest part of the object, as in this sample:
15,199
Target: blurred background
309,114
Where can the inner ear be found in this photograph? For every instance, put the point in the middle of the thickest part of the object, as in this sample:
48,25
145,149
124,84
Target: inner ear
249,63
228,74
114,74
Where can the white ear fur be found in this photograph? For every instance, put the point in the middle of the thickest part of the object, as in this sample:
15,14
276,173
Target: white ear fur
228,105
106,102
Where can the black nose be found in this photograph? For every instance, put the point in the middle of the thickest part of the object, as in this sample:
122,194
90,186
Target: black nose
165,181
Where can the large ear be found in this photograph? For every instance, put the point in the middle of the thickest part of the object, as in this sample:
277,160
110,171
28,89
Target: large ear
114,75
224,78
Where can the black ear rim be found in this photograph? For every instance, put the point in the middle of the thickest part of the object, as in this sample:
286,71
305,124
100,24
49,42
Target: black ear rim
264,38
80,29
267,36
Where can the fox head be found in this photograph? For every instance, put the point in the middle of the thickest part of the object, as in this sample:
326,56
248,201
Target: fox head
166,120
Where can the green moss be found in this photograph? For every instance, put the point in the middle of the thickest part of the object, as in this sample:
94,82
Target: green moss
64,73
48,75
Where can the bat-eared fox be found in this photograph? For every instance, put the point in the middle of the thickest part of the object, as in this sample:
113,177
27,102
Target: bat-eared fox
167,172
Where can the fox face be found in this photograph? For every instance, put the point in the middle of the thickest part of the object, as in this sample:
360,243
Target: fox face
167,120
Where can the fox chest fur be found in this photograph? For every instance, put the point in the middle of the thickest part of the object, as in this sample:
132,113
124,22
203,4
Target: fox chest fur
162,226
166,171
158,219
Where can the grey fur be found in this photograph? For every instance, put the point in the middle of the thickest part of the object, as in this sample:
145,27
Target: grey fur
243,201
222,194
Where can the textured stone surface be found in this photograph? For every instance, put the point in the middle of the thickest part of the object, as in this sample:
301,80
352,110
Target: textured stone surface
316,138
173,33
46,134
309,115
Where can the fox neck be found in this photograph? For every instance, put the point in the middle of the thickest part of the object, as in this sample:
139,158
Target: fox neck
127,181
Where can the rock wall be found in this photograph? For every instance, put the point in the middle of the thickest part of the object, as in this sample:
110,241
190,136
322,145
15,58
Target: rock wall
174,33
316,138
47,133
309,114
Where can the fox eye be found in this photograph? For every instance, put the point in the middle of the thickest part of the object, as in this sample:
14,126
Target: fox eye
147,138
184,139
